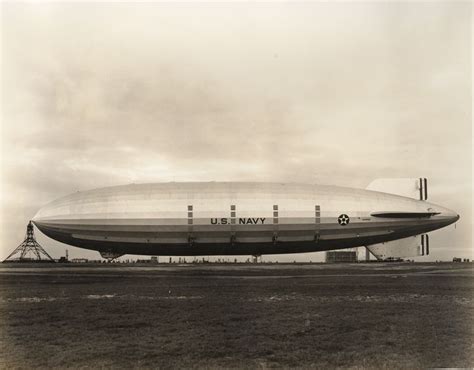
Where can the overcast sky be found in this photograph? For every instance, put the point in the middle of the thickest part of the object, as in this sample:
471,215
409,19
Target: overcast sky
332,93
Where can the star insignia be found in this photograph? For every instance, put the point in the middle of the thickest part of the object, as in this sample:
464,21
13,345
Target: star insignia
343,219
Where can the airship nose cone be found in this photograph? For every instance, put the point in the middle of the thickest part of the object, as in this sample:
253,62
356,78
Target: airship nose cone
49,214
38,217
37,220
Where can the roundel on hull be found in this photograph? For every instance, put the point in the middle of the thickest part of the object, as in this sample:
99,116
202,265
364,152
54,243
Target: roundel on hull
343,219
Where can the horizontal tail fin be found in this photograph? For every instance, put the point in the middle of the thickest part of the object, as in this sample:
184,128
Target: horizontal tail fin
404,214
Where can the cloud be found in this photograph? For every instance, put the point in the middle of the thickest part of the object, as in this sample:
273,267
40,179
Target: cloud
98,95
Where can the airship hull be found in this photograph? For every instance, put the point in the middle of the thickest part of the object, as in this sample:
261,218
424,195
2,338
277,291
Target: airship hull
231,218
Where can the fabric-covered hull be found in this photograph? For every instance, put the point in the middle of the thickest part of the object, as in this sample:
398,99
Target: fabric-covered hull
233,218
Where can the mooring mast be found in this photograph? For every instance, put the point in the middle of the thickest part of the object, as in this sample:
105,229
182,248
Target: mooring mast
29,247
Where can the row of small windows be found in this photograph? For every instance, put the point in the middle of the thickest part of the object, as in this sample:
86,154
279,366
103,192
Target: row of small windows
232,207
317,211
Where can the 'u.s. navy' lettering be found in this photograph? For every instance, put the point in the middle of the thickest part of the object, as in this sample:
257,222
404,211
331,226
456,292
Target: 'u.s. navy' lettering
251,221
242,221
219,221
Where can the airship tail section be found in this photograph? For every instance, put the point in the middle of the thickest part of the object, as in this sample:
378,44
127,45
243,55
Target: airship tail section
416,188
413,246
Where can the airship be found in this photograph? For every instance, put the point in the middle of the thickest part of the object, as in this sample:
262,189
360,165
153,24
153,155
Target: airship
391,217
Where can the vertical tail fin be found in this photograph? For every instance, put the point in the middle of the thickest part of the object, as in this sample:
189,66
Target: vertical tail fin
416,188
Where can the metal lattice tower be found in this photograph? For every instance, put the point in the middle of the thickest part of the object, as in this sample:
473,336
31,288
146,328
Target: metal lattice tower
29,250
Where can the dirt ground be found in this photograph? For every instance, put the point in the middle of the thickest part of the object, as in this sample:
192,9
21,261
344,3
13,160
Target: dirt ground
314,315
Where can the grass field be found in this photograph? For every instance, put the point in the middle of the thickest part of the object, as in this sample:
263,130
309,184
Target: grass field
362,315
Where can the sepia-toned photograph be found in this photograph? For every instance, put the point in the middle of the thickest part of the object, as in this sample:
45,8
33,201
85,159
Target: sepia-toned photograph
236,185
